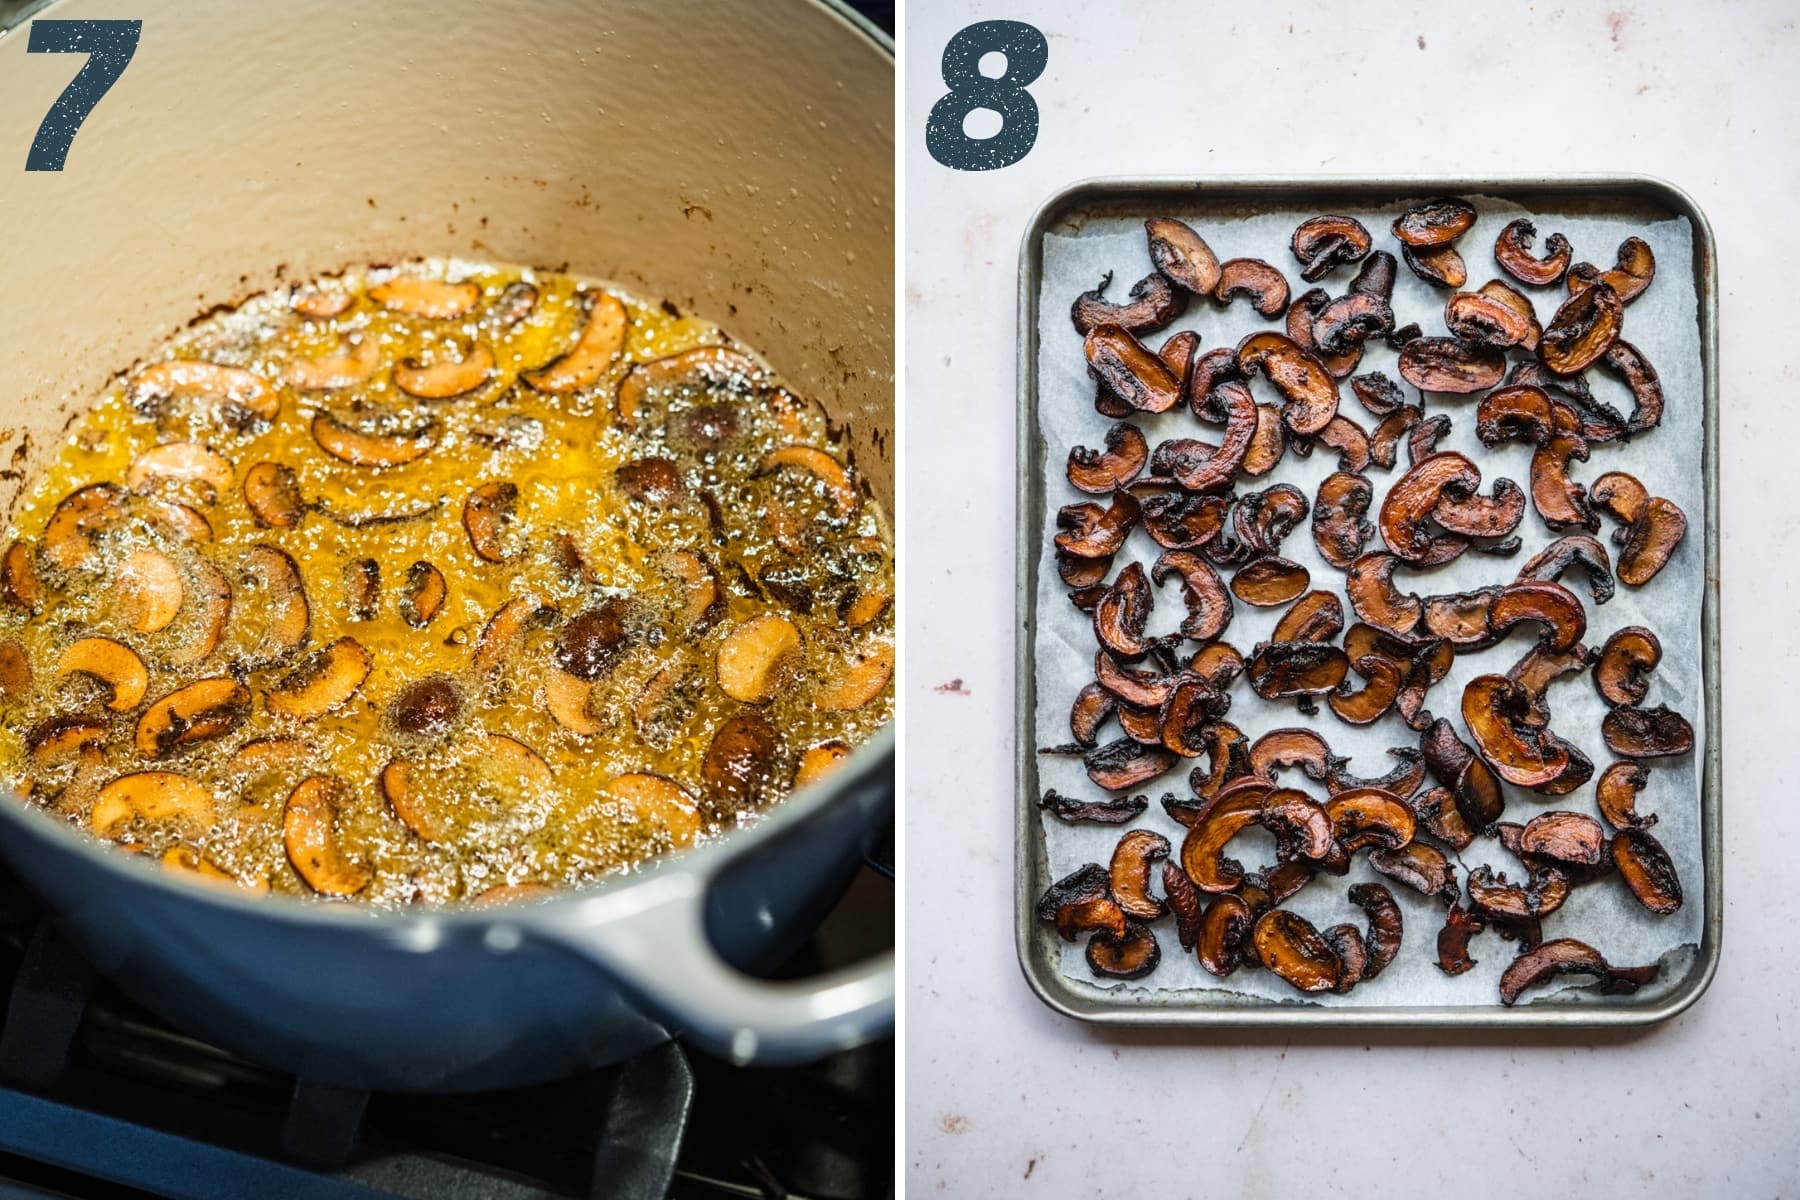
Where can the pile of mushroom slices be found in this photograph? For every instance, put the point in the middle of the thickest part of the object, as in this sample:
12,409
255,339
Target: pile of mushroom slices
447,589
1169,695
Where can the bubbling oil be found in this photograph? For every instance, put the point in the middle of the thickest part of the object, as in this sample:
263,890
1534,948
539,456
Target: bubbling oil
503,792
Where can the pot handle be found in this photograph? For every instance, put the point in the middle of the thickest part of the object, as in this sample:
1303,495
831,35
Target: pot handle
658,948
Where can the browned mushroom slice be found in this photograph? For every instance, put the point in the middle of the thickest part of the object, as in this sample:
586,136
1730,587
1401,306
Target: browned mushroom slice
1565,838
1516,413
661,801
1602,423
1474,515
1520,306
1182,520
362,588
1126,763
62,738
1649,540
1436,364
423,595
272,493
1377,696
568,700
1496,711
1120,615
1256,281
1301,826
591,643
703,601
324,681
1616,795
1440,266
1461,618
1622,672
1307,308
1218,663
1537,670
1374,598
377,451
1410,507
1343,325
426,706
1378,394
1222,935
1435,222
830,473
1498,899
1294,950
1566,956
652,480
1423,437
239,397
1202,467
825,758
1384,442
310,835
1636,267
1268,442
1308,390
196,713
446,378
1346,941
152,796
1081,902
1315,617
865,670
1101,472
1129,873
180,462
150,590
1550,604
1647,870
1072,810
1141,688
1460,925
210,600
1132,956
320,303
1386,925
436,299
1207,374
1154,303
1280,669
1230,812
1553,560
78,520
1093,705
487,513
739,767
1582,330
1182,255
1420,866
505,631
1145,725
1270,581
1090,532
16,677
1130,370
717,365
1512,250
1634,732
1281,749
20,582
1370,817
758,658
344,368
1482,320
1561,501
1324,243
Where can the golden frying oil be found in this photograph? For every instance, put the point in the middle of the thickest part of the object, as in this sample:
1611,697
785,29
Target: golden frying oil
561,451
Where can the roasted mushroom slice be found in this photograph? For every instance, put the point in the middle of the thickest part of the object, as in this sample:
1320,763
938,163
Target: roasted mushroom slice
718,365
598,345
1384,442
1440,266
1072,810
1324,243
241,399
1499,900
1477,516
1124,764
1622,672
1378,394
309,831
1512,250
1559,500
1375,599
1130,370
1472,785
1435,222
1269,581
1100,473
1602,423
1403,780
1222,936
1423,438
1304,310
152,796
1420,866
1460,925
1570,550
1280,669
1300,824
150,591
190,715
1209,608
1131,956
487,514
435,299
1120,615
447,377
1257,281
1364,818
739,767
1616,795
1092,532
1308,390
1462,618
1634,732
377,451
1439,364
831,474
1233,810
1566,956
324,681
78,520
423,595
1568,839
1550,604
1583,329
1317,616
426,706
1411,503
1647,870
1154,303
1282,749
1343,325
272,493
1129,874
1182,255
1496,711
180,463
1521,307
1294,950
1081,902
757,658
821,760
1636,267
1482,320
861,674
1649,539
1382,942
1182,520
1268,442
1377,696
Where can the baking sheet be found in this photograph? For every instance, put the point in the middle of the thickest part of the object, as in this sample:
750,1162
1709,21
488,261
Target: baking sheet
1664,323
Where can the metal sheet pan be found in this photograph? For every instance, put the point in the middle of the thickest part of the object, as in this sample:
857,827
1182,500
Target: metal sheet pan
1224,199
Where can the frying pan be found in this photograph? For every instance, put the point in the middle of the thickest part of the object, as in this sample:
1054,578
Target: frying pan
735,158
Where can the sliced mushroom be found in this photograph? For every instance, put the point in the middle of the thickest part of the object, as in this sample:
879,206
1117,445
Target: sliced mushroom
272,493
1308,307
437,299
1650,534
344,368
1129,874
446,378
1317,616
659,799
1378,394
1269,581
1377,696
1222,936
1553,560
1583,329
1460,925
77,521
1462,618
1420,866
1512,250
1124,764
1647,870
377,451
703,600
1475,792
1324,243
1281,669
1566,838
1411,504
1483,320
1092,532
1182,520
209,598
152,796
1154,303
1308,390
1294,950
179,462
1343,325
1550,604
1566,956
1132,956
568,699
1384,442
1561,502
1616,795
324,681
239,398
1477,516
1635,732
309,832
1101,473
62,738
1435,222
1437,364
1636,267
1120,615
1281,749
1370,817
1257,281
739,767
189,715
832,474
1130,370
1621,674
1521,307
150,590
15,671
20,582
1268,442
1423,438
1375,599
1496,711
424,594
594,639
1182,255
1499,900
717,365
487,513
1440,266
866,668
1202,467
821,760
426,706
362,588
757,658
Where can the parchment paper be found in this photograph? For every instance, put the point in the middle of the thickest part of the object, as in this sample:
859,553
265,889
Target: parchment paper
1663,323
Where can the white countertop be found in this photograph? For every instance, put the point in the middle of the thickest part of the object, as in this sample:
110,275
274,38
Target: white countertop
1003,1096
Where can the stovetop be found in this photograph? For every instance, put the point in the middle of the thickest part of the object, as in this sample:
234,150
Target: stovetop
100,1099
